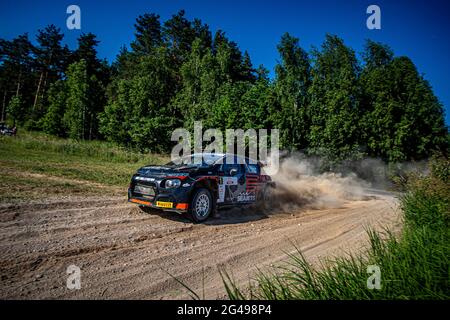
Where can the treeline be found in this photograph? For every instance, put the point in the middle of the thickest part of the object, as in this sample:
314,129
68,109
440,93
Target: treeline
51,88
324,102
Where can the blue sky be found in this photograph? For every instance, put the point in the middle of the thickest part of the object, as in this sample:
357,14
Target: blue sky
417,29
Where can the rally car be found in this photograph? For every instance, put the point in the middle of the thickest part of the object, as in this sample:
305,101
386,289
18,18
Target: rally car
200,184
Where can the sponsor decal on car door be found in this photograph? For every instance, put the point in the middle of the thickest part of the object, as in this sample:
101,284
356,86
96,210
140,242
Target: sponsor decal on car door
224,184
231,188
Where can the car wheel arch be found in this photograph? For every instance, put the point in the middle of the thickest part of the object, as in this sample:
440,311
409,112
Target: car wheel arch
209,184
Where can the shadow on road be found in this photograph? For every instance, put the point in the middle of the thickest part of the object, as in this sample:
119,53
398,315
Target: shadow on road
227,216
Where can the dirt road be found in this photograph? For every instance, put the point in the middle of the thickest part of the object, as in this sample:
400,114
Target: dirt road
127,254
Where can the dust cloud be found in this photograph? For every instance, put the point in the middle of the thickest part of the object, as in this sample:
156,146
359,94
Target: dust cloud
299,184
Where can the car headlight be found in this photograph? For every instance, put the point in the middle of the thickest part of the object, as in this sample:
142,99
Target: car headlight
172,183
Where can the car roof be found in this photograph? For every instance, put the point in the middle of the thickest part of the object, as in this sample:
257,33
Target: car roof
224,155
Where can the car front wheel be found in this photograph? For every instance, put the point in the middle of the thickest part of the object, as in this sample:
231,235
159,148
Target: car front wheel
201,205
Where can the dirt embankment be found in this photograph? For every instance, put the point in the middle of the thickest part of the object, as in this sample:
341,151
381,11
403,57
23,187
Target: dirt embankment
128,254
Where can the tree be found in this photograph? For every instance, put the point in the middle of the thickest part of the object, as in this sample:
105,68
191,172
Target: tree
212,84
377,55
77,108
4,86
202,32
176,73
139,115
334,110
247,70
178,34
124,65
148,33
262,73
98,74
227,109
403,119
232,64
15,108
87,43
200,81
15,71
257,103
57,99
51,59
293,79
16,56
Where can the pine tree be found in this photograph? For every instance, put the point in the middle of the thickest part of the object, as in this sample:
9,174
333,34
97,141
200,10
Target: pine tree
247,70
51,59
202,32
86,50
231,62
148,34
16,72
178,34
98,74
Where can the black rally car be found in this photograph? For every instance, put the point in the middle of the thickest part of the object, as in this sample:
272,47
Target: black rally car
201,184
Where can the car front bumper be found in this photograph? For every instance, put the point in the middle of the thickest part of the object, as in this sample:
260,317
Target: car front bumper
164,202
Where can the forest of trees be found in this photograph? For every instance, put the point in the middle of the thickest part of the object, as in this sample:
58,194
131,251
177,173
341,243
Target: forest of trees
324,102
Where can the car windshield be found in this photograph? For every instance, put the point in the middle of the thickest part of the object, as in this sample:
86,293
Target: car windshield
198,159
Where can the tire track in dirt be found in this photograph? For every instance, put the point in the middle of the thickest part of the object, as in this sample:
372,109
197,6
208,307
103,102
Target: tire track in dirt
126,253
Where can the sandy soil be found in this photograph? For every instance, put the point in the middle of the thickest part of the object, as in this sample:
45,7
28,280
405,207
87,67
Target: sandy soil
125,253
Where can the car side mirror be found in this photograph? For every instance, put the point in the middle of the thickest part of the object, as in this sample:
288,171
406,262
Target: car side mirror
233,171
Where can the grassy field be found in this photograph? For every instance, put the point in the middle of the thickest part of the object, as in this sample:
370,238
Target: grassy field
413,266
34,164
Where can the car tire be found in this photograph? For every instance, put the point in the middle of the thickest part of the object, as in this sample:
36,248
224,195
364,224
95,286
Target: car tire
201,205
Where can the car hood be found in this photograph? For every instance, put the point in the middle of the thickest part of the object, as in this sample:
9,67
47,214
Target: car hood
166,170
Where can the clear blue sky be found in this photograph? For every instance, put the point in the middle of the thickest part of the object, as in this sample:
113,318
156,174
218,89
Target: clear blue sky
417,29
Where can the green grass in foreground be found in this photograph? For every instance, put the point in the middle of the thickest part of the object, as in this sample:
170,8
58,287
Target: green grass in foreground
33,165
413,266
